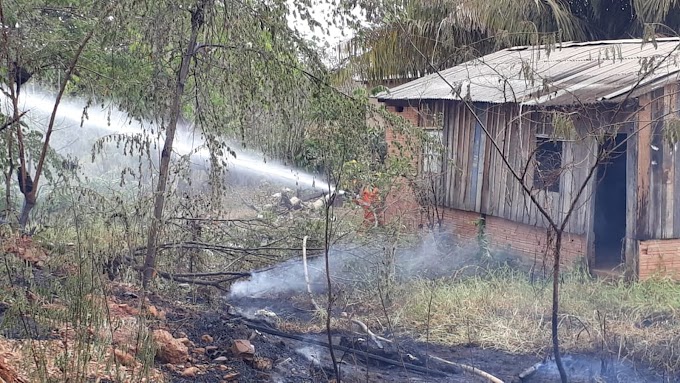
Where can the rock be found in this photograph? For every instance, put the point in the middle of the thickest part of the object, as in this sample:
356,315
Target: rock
231,376
186,341
7,374
124,334
124,358
198,350
318,204
121,310
155,313
220,359
181,334
265,313
170,350
262,364
190,372
207,338
223,367
243,348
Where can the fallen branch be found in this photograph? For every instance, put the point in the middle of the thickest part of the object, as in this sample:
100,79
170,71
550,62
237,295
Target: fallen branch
368,355
215,219
215,274
202,282
467,368
376,338
304,265
530,371
222,248
463,367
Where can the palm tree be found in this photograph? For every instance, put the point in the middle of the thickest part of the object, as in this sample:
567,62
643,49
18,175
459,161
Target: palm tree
406,36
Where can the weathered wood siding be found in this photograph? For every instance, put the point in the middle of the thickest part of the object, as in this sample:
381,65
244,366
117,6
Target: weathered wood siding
476,177
657,180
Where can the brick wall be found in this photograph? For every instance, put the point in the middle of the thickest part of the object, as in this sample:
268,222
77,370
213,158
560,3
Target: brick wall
401,205
410,113
659,257
531,241
517,238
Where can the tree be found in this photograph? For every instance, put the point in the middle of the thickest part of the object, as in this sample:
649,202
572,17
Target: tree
45,42
402,43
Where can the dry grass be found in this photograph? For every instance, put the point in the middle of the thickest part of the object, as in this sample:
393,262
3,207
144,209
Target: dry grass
502,309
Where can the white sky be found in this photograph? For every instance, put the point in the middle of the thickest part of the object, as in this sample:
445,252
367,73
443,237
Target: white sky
321,12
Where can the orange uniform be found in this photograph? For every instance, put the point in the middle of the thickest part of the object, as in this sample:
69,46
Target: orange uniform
369,200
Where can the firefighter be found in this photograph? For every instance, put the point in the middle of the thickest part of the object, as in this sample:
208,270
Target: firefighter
369,200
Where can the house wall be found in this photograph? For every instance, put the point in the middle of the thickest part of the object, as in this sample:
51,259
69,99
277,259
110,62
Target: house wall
476,177
653,238
462,211
477,181
657,212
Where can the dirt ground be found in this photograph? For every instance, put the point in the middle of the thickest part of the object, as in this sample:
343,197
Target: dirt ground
297,361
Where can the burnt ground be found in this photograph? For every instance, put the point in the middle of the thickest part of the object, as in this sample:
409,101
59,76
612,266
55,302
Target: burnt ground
298,361
304,359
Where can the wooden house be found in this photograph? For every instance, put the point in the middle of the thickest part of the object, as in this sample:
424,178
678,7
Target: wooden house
590,128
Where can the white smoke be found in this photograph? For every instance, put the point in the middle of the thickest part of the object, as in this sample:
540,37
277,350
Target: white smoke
434,256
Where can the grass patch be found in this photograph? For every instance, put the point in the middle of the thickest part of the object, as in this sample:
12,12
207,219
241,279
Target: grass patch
503,309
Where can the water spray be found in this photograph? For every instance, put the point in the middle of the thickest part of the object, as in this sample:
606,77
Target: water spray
99,121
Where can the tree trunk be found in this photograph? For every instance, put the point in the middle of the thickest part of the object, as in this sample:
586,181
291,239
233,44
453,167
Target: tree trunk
25,211
159,200
9,175
555,303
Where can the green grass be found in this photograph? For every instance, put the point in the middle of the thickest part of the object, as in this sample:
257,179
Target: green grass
503,309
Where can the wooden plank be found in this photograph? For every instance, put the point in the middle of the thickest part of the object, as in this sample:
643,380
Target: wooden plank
462,166
471,163
589,219
496,165
517,155
499,176
448,130
474,161
668,168
486,192
491,187
657,218
507,193
446,137
453,150
481,156
631,189
456,161
532,210
567,185
676,168
446,133
643,166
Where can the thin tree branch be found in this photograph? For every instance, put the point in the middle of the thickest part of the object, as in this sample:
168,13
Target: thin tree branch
12,121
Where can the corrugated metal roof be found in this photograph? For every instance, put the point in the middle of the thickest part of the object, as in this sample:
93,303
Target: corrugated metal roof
570,73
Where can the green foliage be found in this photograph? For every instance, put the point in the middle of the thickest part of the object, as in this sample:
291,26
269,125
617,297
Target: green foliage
409,38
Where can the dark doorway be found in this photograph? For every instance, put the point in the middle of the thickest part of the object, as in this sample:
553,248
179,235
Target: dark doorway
610,204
